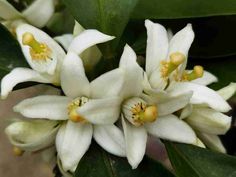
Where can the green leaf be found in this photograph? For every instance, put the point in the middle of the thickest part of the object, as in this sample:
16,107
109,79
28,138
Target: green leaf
98,163
192,161
170,9
108,16
10,52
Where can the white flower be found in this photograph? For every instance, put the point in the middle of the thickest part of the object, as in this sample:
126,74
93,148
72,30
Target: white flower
32,135
143,114
90,56
209,123
37,14
89,108
166,58
42,53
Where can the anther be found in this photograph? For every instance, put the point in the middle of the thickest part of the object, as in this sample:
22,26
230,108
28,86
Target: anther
17,151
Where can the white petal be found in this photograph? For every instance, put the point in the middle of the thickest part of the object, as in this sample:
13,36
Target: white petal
65,40
73,140
101,111
39,12
77,29
57,53
7,11
206,79
19,75
228,91
87,39
181,42
135,140
157,45
45,107
32,135
212,141
157,81
172,128
202,95
133,74
209,121
108,84
111,138
186,111
173,104
73,79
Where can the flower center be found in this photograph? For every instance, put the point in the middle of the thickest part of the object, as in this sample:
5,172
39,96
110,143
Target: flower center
38,51
72,109
195,74
168,67
138,112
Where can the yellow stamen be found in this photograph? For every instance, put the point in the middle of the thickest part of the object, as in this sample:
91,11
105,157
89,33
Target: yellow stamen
168,67
72,109
38,51
195,74
17,151
143,114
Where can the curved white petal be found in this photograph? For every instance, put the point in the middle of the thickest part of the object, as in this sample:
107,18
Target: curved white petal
135,140
32,135
202,95
19,75
133,74
49,65
173,104
65,40
7,11
108,84
44,107
206,79
39,12
101,111
72,141
209,121
87,39
157,45
228,91
73,79
172,128
186,111
212,141
181,42
110,138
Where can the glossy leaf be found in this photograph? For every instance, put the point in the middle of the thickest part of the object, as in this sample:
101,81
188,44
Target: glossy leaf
170,9
10,52
108,16
193,161
97,162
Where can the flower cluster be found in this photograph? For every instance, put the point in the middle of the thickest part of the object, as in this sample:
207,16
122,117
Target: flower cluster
118,109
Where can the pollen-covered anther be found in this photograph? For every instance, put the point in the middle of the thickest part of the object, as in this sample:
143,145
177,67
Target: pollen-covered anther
38,51
17,151
168,67
72,109
197,72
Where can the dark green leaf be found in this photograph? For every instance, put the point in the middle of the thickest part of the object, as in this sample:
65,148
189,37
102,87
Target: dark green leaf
108,16
192,161
170,9
98,163
10,52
